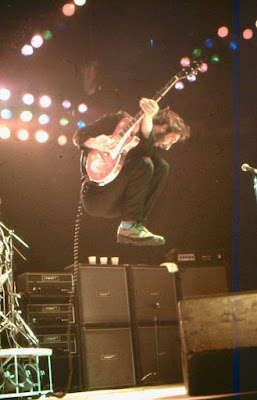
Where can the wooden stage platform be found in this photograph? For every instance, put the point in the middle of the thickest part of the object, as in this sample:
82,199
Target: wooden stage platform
164,392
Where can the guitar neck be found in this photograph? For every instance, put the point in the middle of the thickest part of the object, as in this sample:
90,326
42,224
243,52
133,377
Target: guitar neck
157,97
192,69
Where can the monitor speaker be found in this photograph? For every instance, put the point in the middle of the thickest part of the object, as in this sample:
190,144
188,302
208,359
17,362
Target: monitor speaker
219,343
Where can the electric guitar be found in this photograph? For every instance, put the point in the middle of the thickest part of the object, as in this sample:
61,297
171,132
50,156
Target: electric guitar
103,167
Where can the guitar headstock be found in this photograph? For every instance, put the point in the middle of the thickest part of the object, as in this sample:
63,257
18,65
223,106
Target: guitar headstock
192,69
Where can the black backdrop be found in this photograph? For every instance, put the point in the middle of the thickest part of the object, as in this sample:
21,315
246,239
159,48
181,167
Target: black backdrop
198,208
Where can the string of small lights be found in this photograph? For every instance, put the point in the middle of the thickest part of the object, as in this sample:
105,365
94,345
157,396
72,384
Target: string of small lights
23,124
209,44
38,39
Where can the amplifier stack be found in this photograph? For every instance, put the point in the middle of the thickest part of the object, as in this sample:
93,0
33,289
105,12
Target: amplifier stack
126,328
46,308
129,324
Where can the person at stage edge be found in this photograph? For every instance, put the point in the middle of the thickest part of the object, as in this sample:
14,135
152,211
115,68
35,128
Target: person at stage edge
134,191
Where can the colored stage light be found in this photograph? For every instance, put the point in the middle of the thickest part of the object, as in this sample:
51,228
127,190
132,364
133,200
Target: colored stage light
179,85
81,124
197,52
66,104
37,41
185,61
5,132
47,35
62,140
45,101
6,113
68,9
27,50
41,136
80,2
203,67
82,108
43,119
26,116
23,135
215,58
61,26
191,78
28,99
233,45
209,43
247,34
222,31
64,121
4,94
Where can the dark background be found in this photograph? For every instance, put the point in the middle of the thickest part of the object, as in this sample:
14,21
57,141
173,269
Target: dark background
208,203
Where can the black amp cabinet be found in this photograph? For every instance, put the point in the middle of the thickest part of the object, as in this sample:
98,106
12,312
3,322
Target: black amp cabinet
103,312
120,309
103,295
154,318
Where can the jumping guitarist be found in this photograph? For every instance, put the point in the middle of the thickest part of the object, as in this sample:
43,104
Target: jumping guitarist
129,187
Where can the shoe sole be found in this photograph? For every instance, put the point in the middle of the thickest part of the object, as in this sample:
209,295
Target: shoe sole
140,242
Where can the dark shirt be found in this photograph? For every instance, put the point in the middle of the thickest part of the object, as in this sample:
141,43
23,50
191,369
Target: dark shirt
106,125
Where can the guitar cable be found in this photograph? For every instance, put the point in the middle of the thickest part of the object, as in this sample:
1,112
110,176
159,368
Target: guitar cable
73,293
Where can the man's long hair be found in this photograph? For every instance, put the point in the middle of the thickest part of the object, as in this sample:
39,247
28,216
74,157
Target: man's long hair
174,121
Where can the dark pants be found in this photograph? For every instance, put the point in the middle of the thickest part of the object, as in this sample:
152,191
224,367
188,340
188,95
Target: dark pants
131,194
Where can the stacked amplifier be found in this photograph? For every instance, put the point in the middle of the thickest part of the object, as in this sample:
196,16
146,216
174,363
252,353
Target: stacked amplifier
128,319
129,329
47,311
126,328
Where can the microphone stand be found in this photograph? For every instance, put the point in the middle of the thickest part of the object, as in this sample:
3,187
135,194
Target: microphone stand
10,318
255,185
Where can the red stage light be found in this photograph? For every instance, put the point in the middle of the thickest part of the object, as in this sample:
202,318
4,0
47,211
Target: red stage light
68,9
222,31
185,61
247,34
203,67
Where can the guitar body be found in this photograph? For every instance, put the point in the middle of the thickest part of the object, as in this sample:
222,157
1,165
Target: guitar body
103,167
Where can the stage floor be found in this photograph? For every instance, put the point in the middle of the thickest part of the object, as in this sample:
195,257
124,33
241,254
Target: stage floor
164,392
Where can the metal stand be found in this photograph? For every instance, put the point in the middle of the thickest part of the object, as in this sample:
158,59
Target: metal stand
255,185
23,371
10,318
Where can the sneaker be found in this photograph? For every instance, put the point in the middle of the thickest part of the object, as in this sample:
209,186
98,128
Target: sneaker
139,235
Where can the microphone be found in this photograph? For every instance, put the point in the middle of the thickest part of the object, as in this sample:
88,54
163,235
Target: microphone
246,168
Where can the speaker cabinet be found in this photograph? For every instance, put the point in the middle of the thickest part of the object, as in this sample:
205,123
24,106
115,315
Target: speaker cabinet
158,354
202,280
153,294
103,295
108,358
219,343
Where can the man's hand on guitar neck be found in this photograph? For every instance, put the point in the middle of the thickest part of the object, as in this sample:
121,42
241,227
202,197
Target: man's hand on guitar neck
102,143
150,108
